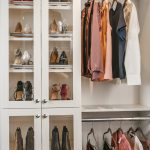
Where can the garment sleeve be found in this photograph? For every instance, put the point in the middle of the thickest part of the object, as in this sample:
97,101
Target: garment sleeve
132,57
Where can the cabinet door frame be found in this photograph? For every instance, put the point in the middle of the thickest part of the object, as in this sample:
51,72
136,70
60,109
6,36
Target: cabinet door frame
4,57
75,112
76,102
23,113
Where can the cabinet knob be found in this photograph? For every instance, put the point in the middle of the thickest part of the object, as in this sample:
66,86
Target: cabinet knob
37,101
45,116
37,116
45,101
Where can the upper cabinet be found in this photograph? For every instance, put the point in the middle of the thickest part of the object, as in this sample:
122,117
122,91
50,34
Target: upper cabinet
22,54
40,53
61,53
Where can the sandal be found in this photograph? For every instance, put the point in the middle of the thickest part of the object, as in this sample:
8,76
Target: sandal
28,92
64,92
63,60
54,56
19,94
55,92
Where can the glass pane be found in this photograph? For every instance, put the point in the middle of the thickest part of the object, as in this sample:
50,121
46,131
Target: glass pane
61,132
60,50
21,133
21,50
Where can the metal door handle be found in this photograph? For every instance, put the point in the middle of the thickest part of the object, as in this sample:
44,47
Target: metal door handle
45,116
37,116
45,101
37,101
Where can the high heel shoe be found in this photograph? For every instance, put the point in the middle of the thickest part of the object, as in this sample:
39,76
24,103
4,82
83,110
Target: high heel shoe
54,56
18,55
19,93
55,92
28,92
64,92
63,60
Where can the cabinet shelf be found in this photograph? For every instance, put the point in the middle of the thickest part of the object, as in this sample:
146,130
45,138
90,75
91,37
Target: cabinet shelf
12,38
60,5
60,68
12,6
114,108
60,37
12,70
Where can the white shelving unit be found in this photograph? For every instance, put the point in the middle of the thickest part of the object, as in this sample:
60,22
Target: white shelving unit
39,110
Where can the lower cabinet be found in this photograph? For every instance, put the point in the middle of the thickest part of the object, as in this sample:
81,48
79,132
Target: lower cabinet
47,129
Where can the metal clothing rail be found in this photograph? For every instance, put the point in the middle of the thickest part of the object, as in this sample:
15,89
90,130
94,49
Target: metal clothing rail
117,119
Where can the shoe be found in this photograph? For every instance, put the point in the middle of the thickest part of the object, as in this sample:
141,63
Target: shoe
27,29
18,55
55,139
53,27
64,92
65,139
30,139
18,144
28,91
63,60
26,58
19,93
55,92
54,56
18,28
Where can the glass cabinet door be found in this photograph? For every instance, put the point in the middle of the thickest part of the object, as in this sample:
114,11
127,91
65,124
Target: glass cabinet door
61,129
61,53
23,53
21,129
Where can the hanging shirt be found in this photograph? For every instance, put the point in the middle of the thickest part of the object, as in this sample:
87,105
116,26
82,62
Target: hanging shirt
106,40
132,57
120,142
86,20
96,60
118,25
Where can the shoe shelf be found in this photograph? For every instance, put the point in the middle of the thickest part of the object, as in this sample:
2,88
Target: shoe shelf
60,37
12,38
60,68
12,6
60,5
13,70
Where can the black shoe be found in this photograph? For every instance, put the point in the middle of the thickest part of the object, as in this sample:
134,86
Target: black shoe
28,91
30,139
65,139
55,139
63,60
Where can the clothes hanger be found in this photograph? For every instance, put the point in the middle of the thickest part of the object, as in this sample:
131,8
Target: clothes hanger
140,130
92,132
108,131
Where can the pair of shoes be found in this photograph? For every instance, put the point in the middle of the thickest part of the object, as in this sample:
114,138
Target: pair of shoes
24,91
63,59
26,30
65,139
22,59
18,144
59,27
58,90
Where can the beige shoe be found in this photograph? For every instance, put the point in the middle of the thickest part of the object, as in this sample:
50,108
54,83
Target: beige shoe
53,27
54,56
54,95
18,28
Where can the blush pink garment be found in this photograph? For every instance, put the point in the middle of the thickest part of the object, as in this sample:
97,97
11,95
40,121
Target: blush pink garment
120,142
96,59
108,60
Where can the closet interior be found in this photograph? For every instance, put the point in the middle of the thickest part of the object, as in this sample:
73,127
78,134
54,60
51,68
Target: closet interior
114,104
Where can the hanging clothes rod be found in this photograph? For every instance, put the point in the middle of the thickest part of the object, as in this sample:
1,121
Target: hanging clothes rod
117,119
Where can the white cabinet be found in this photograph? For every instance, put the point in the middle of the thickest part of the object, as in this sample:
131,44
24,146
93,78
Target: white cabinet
60,118
38,90
23,120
